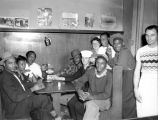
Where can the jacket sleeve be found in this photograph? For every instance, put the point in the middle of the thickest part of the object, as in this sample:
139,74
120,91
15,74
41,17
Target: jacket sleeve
126,59
82,80
108,89
14,93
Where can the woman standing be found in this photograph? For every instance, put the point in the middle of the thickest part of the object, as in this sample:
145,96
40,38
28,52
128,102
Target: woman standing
145,75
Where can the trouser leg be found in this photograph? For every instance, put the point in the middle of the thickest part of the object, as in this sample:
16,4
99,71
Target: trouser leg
79,110
44,105
94,106
92,111
71,106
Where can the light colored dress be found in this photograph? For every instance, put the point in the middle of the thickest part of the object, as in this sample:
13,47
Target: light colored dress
148,85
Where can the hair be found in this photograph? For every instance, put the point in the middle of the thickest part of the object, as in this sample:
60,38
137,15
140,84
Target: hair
152,27
105,33
30,52
20,58
100,57
96,39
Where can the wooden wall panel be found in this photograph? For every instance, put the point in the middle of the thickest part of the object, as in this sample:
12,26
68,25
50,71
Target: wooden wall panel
56,54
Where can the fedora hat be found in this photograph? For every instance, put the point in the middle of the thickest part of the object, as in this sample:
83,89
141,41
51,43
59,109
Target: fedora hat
116,36
5,56
75,52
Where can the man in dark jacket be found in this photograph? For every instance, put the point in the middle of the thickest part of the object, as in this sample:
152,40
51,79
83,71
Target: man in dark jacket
18,101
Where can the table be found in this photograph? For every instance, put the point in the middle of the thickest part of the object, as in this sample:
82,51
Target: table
55,88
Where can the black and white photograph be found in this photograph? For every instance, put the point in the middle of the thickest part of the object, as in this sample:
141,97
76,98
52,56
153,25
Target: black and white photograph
78,59
44,16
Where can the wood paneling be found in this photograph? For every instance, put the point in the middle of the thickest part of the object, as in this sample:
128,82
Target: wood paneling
57,54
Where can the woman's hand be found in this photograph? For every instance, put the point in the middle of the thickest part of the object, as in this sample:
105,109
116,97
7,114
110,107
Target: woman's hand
137,95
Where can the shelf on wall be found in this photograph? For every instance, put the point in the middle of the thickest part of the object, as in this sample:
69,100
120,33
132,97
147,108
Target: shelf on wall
77,31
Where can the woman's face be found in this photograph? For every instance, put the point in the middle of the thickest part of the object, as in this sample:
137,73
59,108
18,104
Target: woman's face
151,37
31,58
117,45
95,45
21,65
100,65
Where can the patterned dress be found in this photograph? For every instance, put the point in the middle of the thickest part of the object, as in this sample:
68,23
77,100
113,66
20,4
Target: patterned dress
148,85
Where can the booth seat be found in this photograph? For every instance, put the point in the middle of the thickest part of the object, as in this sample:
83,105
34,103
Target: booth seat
123,100
115,112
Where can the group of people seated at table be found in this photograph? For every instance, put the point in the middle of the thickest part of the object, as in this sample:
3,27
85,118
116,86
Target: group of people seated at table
89,70
18,81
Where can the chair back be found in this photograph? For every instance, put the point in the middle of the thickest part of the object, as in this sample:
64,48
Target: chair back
115,112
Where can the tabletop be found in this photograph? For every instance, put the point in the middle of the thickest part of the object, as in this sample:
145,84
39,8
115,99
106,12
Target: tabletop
57,87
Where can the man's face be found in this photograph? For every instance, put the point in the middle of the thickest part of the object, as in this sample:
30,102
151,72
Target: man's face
22,65
31,58
104,40
100,65
10,64
117,45
151,37
77,59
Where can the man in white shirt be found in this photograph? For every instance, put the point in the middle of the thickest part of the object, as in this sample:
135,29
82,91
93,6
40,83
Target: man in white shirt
105,44
32,68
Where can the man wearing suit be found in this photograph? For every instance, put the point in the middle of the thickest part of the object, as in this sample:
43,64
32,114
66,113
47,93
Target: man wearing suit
17,100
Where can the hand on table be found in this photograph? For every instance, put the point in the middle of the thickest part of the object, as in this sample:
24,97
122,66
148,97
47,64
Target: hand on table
38,86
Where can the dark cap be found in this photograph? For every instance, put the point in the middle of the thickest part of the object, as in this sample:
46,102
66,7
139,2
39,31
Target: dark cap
116,36
75,52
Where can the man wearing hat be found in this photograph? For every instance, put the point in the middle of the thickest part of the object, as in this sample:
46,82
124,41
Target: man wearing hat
18,100
71,72
124,58
75,105
75,68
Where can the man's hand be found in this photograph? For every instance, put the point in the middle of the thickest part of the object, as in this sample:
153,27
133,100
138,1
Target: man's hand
37,86
137,95
109,52
84,95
